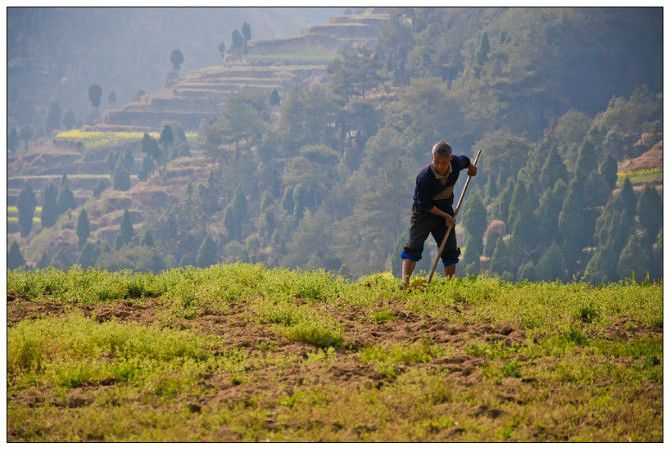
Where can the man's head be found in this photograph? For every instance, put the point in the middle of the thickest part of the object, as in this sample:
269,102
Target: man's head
442,157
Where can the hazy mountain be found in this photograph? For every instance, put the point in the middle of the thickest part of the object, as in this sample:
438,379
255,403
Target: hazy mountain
54,54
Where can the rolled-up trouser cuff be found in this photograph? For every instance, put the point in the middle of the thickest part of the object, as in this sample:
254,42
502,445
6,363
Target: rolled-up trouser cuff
405,255
449,261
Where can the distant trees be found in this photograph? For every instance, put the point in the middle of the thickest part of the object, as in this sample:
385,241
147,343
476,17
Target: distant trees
83,228
206,253
65,197
246,35
26,204
53,117
69,120
49,205
26,134
120,177
274,98
237,46
14,257
13,140
177,59
94,95
126,233
222,49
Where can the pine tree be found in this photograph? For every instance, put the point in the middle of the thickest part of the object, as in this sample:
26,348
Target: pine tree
126,232
602,266
240,205
231,222
474,219
274,98
491,188
597,190
166,138
473,250
13,141
100,187
608,170
14,257
206,253
650,211
65,198
146,169
49,206
69,120
634,259
287,199
587,160
83,228
627,200
546,215
551,265
657,257
151,148
26,204
147,239
44,260
499,262
484,47
89,255
128,160
527,272
53,117
573,227
120,178
553,170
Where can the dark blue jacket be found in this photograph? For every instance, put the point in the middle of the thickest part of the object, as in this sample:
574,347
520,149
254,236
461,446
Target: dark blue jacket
427,185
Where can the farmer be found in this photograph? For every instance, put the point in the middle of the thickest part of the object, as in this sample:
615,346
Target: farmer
432,211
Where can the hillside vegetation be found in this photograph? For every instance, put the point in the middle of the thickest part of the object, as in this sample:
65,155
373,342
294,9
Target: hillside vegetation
245,352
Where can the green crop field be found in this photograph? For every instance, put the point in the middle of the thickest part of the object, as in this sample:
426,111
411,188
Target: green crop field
641,176
247,353
293,56
100,139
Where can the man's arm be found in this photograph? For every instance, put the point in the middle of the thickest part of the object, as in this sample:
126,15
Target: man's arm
447,217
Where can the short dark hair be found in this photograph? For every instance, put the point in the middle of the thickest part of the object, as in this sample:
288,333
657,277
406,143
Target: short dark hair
442,148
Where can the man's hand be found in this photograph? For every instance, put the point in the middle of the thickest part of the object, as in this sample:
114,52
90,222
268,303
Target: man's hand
449,220
472,170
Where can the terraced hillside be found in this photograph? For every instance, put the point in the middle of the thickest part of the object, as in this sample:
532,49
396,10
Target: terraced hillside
279,64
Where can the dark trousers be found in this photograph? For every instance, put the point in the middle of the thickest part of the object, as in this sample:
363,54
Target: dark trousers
425,223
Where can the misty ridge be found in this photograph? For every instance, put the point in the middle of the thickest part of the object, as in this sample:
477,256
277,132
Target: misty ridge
153,138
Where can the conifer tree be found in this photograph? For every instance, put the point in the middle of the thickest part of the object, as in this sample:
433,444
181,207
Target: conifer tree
634,259
551,265
26,204
53,117
491,188
69,120
89,255
49,206
100,187
499,262
147,239
484,47
128,160
587,160
240,205
553,169
608,170
65,198
602,266
44,260
14,257
274,98
83,228
206,253
572,227
146,169
13,141
231,222
475,220
120,178
650,211
126,232
473,250
627,200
